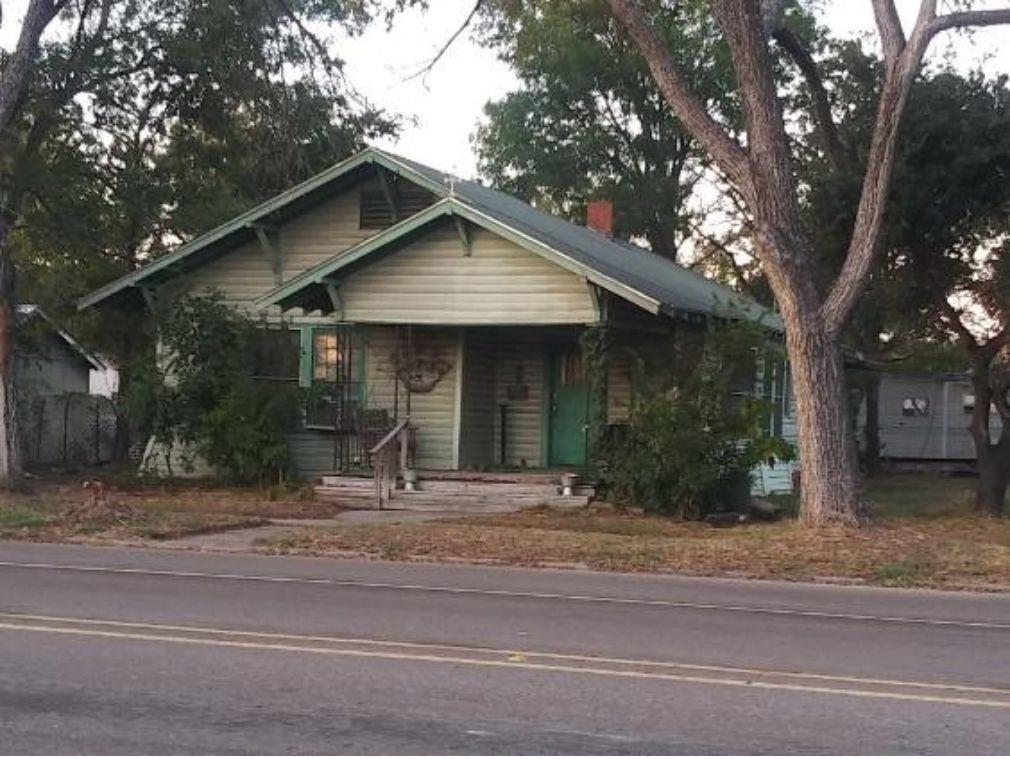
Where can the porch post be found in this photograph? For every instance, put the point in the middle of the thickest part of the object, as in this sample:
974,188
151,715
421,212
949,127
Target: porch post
457,411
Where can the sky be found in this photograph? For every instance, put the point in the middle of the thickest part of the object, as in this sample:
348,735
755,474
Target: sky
448,105
443,109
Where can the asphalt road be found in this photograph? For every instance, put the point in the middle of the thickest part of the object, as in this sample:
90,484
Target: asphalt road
121,651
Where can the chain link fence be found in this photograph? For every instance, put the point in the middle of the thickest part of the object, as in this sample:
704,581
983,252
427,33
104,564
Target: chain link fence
70,429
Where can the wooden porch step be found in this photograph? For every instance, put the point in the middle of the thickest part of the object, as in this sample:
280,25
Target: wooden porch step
359,493
346,481
449,475
461,503
496,488
349,500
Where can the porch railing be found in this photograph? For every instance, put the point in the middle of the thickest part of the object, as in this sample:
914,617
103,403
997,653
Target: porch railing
390,456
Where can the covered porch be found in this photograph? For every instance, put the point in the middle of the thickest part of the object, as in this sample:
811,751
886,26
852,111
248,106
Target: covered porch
474,398
450,409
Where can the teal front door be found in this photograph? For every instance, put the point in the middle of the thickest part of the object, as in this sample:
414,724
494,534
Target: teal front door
569,397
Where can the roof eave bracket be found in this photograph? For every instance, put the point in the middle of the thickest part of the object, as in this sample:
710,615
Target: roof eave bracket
268,236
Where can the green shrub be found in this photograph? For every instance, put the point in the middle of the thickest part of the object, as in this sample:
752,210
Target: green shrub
202,392
689,448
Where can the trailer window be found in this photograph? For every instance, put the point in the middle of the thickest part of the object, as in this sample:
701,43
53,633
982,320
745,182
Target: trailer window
915,407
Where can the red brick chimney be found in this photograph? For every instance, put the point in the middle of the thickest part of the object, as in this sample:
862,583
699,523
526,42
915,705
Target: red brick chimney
600,216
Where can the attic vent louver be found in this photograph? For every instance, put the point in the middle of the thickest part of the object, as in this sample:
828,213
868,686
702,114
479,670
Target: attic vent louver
376,212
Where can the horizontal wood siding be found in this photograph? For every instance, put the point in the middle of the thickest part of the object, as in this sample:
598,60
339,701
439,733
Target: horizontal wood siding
430,281
635,357
246,273
778,477
520,361
620,389
311,453
477,420
433,413
179,460
311,456
653,358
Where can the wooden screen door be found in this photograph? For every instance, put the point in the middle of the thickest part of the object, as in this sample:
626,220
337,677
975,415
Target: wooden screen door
569,395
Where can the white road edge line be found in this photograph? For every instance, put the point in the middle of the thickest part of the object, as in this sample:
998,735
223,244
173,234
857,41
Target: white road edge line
520,665
516,594
752,671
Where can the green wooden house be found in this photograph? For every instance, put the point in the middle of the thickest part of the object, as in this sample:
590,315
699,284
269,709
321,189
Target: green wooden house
408,294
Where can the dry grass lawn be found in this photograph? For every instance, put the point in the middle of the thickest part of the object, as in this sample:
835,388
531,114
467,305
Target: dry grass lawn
924,535
59,508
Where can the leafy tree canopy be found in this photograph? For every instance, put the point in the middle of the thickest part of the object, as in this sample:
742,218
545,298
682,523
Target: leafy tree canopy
588,120
147,122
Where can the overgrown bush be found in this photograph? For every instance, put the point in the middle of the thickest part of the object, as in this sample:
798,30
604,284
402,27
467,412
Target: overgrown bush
690,446
201,392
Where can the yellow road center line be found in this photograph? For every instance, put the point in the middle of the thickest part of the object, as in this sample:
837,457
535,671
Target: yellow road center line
512,664
722,669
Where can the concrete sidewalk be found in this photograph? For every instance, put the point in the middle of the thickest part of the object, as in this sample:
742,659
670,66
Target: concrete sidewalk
246,538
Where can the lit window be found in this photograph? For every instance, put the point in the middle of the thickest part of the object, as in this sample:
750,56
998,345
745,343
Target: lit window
969,404
326,358
915,407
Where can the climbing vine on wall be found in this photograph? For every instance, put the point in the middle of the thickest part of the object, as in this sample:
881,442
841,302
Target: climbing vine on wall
595,345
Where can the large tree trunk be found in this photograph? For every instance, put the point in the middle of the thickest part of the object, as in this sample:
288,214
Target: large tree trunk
993,459
10,451
829,486
761,171
993,476
13,83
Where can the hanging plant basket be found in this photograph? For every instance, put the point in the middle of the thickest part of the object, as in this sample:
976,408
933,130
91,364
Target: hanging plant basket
420,373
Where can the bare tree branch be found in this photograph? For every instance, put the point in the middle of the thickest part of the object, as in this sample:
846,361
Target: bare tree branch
962,19
892,36
718,248
836,151
426,69
331,65
880,165
725,151
14,79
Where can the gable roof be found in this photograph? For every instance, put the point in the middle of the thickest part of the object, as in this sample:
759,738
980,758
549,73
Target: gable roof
27,311
674,288
242,227
632,272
